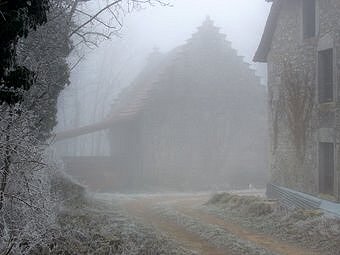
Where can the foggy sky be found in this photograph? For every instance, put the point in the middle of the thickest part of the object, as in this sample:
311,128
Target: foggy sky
106,70
241,20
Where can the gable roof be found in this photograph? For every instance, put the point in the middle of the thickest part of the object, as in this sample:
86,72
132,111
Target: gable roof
267,37
134,99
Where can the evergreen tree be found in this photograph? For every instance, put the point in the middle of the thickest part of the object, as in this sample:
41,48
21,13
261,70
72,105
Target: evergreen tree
17,17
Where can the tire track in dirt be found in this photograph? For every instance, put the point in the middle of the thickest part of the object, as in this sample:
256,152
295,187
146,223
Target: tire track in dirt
265,241
187,205
143,209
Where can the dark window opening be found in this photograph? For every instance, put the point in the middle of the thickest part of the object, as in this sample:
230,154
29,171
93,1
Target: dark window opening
326,168
309,18
325,76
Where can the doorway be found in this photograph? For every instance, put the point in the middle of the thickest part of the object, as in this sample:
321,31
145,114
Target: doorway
326,168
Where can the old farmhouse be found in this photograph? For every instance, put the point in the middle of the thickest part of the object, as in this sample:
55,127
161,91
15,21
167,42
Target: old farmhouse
194,119
301,44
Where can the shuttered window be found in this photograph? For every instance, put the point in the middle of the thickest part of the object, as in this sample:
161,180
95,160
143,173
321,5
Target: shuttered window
325,75
309,18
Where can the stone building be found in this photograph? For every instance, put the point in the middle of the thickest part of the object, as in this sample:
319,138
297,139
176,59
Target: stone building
301,44
194,119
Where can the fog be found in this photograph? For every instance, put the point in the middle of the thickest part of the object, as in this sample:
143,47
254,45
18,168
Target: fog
103,72
144,127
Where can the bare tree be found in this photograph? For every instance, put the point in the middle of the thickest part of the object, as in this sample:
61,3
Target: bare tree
92,26
25,202
25,205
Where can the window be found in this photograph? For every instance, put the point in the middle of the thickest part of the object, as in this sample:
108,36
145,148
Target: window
309,18
325,75
326,168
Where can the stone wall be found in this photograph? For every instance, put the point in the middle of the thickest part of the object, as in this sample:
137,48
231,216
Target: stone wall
289,46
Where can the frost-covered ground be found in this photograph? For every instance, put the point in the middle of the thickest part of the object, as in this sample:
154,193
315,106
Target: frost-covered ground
182,213
187,224
103,228
212,233
237,225
310,229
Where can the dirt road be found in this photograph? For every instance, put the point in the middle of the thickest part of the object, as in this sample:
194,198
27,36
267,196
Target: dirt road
181,218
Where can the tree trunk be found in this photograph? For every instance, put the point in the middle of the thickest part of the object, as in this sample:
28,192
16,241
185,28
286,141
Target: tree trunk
7,163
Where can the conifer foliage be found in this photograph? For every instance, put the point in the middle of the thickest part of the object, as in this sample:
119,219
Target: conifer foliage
17,17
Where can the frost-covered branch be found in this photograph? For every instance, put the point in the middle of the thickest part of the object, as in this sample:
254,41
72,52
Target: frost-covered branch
105,21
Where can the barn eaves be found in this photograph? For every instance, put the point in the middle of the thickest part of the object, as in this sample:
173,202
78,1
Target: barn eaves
267,37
